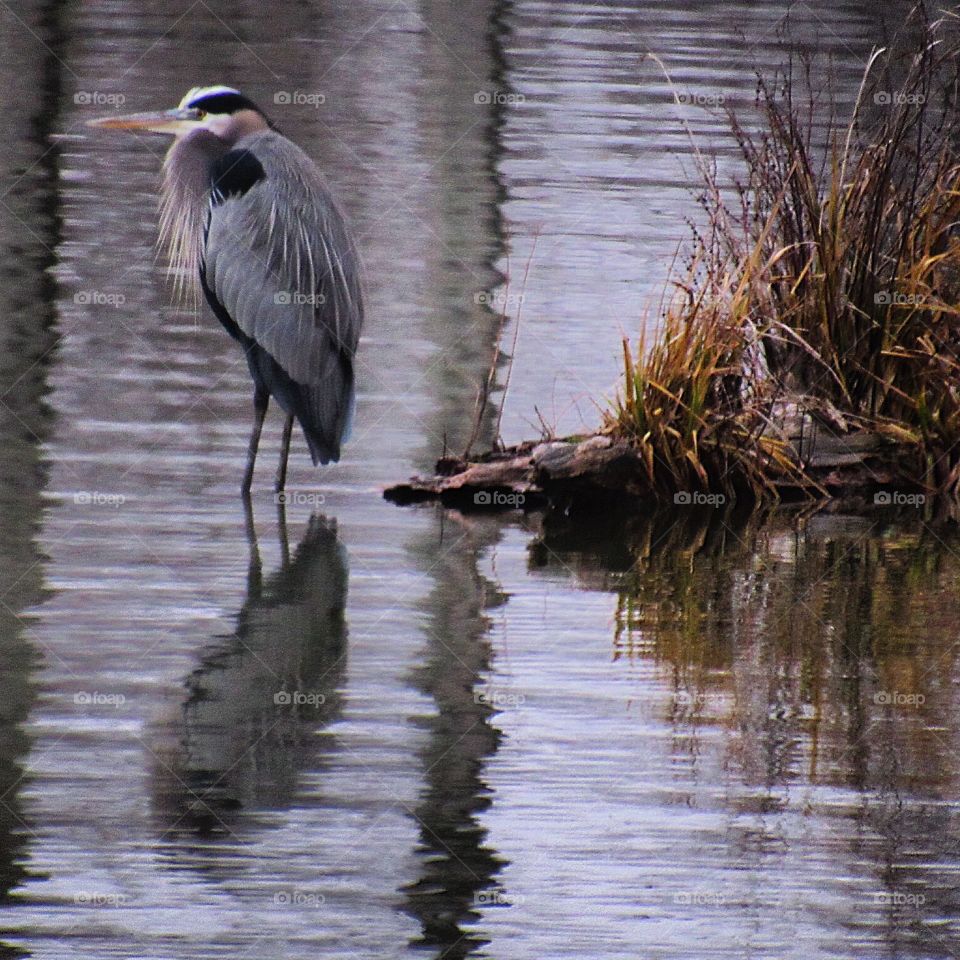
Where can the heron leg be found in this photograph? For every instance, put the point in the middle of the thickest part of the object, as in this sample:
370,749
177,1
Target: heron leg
260,401
255,566
282,533
281,480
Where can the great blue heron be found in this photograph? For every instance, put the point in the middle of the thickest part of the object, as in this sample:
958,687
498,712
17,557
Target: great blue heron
247,219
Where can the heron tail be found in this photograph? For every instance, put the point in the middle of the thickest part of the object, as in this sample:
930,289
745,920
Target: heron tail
326,413
321,450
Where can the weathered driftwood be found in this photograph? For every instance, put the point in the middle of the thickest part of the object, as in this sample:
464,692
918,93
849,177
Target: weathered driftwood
591,472
528,475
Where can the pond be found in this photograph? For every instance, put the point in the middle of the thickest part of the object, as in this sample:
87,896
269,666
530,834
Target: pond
342,727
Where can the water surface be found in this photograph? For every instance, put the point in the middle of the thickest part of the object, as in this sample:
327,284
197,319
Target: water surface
342,727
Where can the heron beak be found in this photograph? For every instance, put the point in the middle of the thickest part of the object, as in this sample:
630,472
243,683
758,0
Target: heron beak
176,122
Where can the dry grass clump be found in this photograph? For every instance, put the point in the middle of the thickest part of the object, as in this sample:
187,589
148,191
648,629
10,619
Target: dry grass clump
829,275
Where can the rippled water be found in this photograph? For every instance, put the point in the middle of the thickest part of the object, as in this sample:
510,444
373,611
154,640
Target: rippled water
346,728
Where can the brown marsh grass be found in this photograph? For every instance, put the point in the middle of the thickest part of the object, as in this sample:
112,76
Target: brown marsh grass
827,275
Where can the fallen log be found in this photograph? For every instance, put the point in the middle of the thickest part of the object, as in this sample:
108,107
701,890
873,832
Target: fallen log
577,473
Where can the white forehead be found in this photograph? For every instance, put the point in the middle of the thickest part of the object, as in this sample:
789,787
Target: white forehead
205,92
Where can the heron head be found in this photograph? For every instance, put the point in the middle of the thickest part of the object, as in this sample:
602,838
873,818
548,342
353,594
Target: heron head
221,110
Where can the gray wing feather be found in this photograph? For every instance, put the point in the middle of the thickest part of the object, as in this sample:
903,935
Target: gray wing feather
281,261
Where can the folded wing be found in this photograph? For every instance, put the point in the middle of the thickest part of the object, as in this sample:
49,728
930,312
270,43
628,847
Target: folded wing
279,261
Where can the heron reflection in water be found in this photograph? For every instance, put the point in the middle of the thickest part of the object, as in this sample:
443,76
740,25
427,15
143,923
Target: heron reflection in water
247,725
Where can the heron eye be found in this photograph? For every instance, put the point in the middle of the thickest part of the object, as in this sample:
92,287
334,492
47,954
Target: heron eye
201,114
